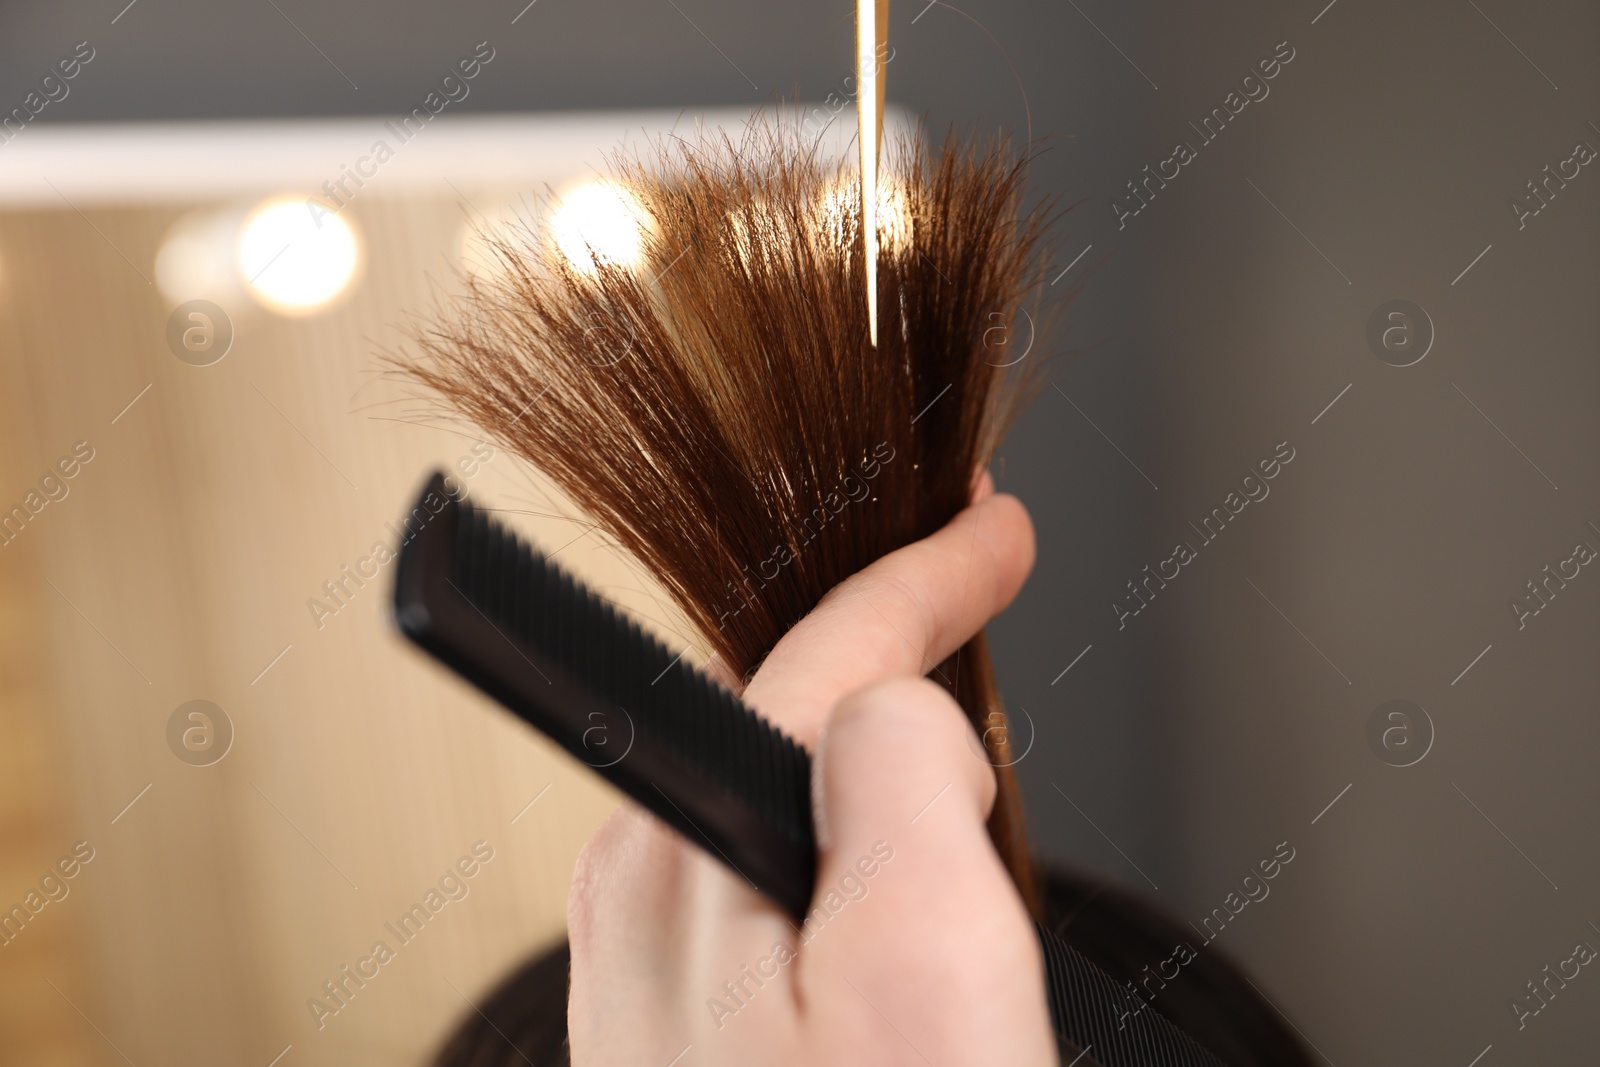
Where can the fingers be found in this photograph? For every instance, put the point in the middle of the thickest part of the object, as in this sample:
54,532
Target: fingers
653,922
637,878
913,905
899,617
881,755
903,793
628,925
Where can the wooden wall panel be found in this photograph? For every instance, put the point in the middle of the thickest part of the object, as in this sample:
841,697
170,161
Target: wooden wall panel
38,1024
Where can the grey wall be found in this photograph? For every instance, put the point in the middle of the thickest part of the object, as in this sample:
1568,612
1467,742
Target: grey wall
1216,323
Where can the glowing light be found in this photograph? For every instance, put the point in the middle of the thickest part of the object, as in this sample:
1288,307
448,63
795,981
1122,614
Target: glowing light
296,256
840,212
196,259
599,222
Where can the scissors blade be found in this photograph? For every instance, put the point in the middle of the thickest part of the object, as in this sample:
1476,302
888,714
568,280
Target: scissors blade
872,33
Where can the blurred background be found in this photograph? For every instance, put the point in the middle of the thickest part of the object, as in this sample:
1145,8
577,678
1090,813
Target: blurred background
1357,240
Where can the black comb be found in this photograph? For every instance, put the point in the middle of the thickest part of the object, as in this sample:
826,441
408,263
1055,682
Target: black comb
568,663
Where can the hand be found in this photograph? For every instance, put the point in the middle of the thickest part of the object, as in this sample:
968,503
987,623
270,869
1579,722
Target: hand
918,950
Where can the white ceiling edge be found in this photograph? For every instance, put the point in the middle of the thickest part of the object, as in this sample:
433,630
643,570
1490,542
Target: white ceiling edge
73,164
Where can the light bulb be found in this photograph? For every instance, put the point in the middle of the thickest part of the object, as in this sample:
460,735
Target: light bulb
599,222
295,255
197,258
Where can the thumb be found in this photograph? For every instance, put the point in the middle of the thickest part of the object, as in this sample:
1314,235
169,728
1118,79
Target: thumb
930,929
887,756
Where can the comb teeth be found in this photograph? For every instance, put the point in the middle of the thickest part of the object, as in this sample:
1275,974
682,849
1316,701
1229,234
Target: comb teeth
536,604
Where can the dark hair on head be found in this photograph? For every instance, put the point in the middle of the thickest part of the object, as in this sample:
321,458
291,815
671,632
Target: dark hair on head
719,409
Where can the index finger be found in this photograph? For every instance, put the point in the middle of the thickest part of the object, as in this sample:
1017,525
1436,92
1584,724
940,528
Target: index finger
900,617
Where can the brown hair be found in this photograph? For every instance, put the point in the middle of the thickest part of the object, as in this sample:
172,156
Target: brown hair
719,409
